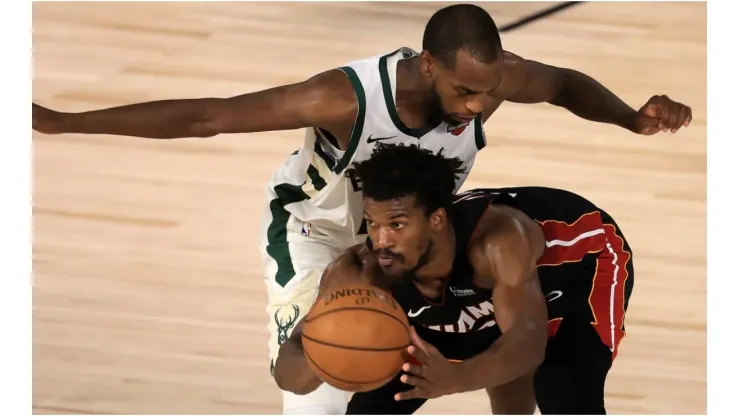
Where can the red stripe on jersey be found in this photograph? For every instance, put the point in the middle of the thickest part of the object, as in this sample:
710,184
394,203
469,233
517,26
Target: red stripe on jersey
607,293
552,326
567,243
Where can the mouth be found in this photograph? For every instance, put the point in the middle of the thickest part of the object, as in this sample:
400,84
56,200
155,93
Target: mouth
464,119
385,261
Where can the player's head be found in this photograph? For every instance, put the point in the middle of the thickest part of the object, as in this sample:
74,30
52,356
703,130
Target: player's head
406,192
462,61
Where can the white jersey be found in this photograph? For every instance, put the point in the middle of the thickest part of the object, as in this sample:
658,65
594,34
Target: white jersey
311,184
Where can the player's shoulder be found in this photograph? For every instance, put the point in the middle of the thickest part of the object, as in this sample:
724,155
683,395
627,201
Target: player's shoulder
514,74
350,260
333,85
505,226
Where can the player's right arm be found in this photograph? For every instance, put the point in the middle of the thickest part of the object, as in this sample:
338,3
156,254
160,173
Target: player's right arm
292,372
326,100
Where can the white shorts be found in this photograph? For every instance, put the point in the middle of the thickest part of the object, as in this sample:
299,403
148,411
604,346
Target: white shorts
294,256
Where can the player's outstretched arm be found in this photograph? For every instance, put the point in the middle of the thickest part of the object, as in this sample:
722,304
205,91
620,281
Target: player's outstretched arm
509,250
534,82
325,100
292,372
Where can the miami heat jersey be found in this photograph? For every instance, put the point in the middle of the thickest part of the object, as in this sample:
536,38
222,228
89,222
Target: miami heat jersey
461,321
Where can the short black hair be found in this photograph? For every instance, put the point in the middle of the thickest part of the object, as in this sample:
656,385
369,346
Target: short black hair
462,27
396,170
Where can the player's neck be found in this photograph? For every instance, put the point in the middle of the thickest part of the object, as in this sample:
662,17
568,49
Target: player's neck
443,258
412,93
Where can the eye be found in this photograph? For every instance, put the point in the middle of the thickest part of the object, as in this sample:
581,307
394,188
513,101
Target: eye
371,223
397,225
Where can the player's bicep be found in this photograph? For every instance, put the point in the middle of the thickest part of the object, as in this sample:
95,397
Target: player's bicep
520,303
512,250
532,81
325,100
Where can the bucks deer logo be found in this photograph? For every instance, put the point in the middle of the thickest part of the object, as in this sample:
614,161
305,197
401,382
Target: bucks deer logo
285,322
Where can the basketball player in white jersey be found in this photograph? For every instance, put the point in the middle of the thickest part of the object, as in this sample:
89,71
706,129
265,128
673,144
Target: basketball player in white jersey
438,98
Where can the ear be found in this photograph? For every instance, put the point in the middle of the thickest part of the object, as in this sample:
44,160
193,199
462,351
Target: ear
438,220
427,66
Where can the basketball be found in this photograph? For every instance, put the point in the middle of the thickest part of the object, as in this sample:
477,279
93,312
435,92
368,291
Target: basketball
355,336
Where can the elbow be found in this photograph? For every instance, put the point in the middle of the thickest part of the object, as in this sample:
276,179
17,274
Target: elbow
207,120
292,382
561,87
292,385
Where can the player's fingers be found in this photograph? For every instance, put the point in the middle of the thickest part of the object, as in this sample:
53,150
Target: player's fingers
683,115
414,369
413,380
665,117
689,118
415,393
418,342
417,354
674,114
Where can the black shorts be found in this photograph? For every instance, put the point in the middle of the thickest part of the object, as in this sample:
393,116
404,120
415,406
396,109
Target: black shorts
586,325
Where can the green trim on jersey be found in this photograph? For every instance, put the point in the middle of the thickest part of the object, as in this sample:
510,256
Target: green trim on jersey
391,104
354,139
316,180
480,137
277,232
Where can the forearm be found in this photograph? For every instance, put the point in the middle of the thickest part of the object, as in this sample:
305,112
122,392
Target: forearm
588,99
165,119
513,355
292,372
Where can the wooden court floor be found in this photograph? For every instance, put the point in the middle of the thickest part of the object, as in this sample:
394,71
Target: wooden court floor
148,292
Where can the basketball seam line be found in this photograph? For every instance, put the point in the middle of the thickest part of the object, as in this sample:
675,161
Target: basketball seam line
347,347
349,381
360,308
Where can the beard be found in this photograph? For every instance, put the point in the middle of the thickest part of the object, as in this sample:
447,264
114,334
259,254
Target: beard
410,273
435,109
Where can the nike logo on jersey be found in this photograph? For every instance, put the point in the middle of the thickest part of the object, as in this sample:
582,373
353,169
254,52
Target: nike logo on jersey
413,314
553,295
370,139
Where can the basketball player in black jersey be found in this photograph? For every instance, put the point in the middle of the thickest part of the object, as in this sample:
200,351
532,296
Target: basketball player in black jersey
554,268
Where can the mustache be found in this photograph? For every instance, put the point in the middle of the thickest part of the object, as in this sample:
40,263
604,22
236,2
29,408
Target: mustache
387,253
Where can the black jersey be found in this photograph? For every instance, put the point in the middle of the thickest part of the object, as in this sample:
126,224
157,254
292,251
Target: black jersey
585,273
461,322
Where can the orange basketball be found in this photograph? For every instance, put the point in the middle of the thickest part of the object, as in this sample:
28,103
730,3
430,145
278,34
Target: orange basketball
355,336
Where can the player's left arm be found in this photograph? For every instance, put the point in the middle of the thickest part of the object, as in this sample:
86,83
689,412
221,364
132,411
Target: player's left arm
535,82
509,251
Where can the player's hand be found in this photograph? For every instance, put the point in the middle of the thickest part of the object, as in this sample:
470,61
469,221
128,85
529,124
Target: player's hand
47,121
661,113
432,375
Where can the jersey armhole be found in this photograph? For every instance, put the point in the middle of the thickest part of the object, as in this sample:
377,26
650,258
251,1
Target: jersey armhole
354,139
480,136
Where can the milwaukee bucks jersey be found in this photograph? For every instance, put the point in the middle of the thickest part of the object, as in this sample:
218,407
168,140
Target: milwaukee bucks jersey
311,186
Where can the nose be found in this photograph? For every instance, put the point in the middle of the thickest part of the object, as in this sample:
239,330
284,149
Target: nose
475,104
384,238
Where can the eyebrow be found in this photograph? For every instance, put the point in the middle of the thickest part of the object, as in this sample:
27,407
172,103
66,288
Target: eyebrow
472,91
392,217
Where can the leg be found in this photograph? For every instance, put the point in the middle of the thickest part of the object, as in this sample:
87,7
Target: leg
293,265
572,377
580,354
513,398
